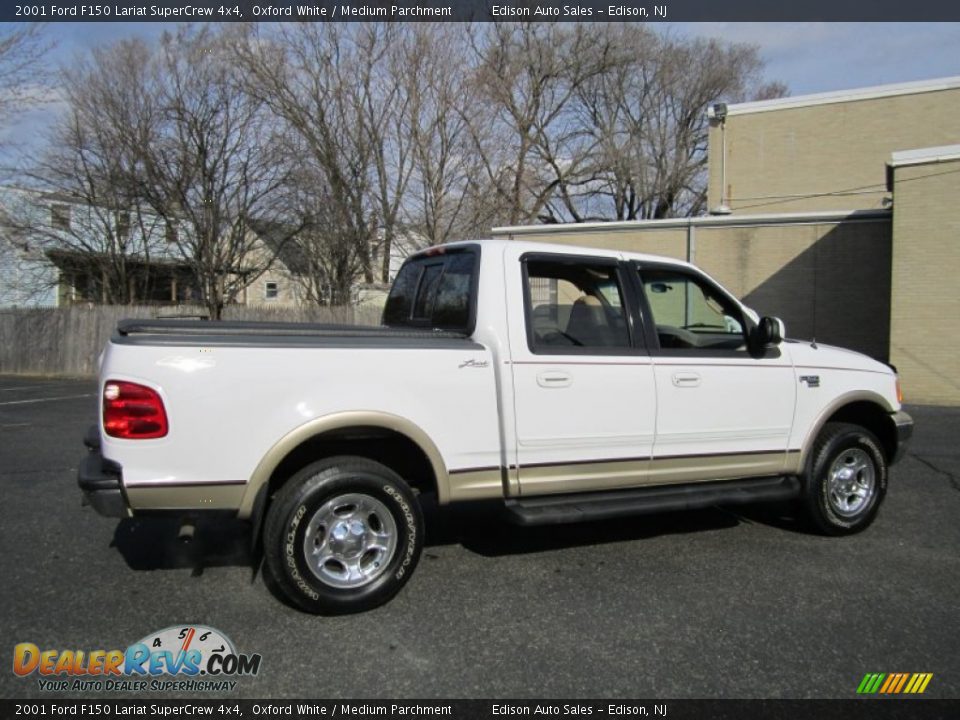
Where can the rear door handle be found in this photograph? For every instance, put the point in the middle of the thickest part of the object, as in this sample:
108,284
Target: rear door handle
554,379
686,379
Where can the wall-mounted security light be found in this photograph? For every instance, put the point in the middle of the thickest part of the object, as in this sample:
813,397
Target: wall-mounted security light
717,111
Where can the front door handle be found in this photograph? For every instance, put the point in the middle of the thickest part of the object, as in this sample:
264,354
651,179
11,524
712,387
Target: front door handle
554,379
686,379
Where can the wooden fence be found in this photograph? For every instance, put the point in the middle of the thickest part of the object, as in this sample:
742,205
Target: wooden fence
68,340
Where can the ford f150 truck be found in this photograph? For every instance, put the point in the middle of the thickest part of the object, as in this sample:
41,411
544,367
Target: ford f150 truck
568,383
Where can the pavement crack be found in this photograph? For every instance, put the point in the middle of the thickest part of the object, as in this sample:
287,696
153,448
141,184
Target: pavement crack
951,478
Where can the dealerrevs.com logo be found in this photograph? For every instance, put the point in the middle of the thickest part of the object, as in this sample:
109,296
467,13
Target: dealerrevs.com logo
180,658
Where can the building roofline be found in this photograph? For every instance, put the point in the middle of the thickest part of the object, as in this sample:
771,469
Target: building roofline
924,156
700,221
840,96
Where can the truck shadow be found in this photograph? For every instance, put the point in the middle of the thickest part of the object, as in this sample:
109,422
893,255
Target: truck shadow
485,530
151,543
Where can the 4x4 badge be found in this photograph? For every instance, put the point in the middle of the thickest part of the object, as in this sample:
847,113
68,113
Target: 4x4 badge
812,381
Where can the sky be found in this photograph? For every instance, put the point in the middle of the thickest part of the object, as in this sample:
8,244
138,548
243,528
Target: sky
808,57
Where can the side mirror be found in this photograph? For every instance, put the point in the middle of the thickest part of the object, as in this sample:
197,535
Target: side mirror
770,331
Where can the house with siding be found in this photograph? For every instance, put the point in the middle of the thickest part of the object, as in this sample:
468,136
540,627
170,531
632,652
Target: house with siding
58,251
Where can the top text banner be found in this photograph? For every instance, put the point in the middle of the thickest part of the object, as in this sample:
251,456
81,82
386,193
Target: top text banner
485,11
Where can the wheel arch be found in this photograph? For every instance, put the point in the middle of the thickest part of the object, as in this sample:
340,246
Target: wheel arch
401,444
868,410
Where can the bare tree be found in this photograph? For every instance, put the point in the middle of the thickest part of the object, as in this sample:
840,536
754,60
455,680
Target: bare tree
601,122
84,212
528,76
647,115
440,103
160,144
307,75
210,166
24,78
384,100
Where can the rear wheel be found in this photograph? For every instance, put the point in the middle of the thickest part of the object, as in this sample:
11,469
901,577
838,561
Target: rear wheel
846,479
343,535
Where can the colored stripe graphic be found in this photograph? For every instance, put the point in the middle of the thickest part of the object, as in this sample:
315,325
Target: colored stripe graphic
894,683
900,683
869,683
891,680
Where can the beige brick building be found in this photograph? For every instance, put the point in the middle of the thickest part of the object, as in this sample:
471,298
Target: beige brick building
826,151
838,214
925,289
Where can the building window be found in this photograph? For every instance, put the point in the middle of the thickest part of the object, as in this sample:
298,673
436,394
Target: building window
123,225
271,290
172,233
60,216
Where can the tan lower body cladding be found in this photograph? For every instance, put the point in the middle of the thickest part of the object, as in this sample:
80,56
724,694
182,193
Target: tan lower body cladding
596,476
488,483
206,496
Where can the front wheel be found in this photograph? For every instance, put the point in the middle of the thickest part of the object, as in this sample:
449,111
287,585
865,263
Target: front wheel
343,535
846,479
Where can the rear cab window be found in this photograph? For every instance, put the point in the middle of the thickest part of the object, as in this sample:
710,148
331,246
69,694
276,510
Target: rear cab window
436,290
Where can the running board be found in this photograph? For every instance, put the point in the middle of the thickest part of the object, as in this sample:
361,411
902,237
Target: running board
556,509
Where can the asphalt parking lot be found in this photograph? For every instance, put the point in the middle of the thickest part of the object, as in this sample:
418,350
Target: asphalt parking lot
716,603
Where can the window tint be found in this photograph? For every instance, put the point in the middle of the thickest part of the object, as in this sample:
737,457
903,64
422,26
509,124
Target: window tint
690,313
433,291
451,308
575,305
427,293
400,302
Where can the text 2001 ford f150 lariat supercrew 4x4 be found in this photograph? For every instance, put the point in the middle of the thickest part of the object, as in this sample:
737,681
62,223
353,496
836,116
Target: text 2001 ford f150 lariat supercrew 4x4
570,383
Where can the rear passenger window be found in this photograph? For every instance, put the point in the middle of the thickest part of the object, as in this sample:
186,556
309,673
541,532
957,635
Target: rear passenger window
433,291
573,306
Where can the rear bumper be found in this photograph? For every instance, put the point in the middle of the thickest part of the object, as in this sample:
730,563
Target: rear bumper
904,426
99,480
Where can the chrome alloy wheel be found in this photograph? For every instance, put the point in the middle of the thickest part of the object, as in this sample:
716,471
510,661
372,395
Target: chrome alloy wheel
851,482
350,540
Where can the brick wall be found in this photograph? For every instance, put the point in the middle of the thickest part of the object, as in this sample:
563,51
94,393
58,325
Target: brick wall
816,150
925,319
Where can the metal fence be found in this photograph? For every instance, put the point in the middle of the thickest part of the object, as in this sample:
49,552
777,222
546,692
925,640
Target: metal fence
68,340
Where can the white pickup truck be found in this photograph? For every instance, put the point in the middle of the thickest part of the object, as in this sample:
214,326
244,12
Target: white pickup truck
569,383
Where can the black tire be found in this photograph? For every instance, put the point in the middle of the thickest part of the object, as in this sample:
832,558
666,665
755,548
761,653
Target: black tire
349,507
846,479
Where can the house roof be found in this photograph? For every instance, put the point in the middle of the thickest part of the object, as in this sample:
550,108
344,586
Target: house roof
281,239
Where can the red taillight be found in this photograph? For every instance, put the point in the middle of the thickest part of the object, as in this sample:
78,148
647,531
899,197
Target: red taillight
132,411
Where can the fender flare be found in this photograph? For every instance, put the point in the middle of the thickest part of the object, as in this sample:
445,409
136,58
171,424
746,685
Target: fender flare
339,421
825,414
